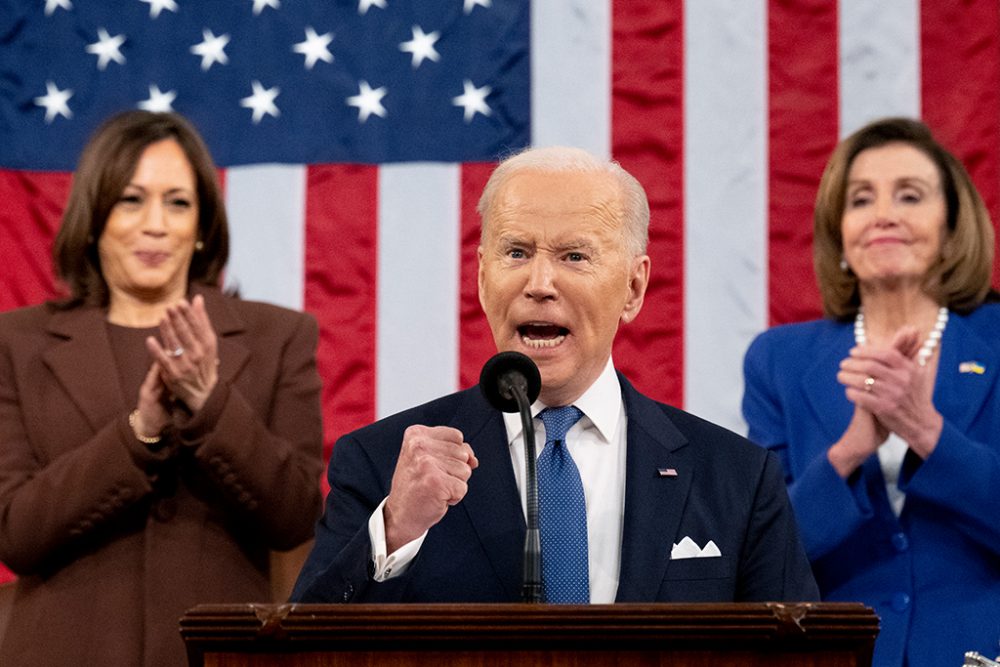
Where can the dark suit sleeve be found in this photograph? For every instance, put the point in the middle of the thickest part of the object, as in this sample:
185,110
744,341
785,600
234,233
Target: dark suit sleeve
773,564
338,568
268,466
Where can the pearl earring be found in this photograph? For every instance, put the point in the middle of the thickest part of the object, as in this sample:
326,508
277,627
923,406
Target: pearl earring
199,246
844,266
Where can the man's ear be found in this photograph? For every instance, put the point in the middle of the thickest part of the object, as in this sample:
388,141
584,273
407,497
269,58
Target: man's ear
479,275
637,284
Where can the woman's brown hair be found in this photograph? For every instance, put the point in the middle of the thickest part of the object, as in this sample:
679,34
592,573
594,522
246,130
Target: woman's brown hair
960,278
105,168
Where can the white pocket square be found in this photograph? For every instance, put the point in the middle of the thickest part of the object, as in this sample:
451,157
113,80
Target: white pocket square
687,548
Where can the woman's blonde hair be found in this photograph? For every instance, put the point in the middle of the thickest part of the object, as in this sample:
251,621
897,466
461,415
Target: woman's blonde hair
959,278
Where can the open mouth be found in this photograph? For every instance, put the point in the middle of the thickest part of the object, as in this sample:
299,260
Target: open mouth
542,335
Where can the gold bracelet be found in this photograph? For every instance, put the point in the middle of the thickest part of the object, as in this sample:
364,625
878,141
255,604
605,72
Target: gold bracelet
145,439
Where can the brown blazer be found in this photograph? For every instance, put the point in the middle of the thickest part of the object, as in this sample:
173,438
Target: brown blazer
112,541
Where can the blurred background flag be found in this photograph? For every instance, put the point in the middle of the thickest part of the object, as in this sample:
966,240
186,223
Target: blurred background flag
354,137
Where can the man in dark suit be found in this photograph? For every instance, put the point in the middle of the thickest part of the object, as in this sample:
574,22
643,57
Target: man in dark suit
653,504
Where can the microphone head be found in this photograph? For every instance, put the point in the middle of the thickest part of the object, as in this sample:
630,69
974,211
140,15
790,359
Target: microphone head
501,371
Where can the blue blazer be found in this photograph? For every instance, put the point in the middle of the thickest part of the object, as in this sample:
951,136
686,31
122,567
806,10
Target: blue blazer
725,490
933,573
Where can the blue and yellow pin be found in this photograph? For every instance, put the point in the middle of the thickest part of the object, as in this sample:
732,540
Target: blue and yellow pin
971,367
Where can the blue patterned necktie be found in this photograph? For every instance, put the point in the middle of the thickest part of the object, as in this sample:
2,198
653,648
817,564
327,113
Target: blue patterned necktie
562,513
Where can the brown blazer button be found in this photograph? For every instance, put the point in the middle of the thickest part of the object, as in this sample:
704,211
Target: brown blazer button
165,509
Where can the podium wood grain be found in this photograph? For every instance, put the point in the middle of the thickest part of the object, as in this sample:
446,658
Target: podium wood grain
495,635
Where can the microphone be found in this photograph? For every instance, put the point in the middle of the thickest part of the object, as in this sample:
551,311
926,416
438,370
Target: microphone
511,383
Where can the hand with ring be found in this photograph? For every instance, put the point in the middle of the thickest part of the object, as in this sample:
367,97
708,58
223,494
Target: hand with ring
188,355
895,388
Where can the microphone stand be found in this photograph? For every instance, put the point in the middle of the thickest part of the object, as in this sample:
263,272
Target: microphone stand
510,381
532,587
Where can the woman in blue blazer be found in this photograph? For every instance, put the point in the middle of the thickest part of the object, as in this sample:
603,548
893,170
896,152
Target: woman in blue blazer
886,413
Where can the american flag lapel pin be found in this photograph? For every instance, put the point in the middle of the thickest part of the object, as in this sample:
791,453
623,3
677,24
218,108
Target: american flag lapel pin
667,472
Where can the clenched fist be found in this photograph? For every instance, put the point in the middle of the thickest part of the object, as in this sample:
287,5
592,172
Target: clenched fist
432,474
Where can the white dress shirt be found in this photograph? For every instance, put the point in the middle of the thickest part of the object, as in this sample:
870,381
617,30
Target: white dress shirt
597,444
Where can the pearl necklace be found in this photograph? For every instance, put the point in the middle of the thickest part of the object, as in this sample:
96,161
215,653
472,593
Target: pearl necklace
926,350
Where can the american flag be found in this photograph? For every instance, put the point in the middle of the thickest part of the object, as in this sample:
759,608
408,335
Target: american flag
354,137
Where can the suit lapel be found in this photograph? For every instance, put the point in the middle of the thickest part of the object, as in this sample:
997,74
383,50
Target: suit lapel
960,390
653,503
229,328
84,364
492,502
831,409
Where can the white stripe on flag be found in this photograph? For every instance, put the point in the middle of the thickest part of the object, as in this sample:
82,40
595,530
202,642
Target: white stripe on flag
418,281
571,74
266,207
725,200
879,61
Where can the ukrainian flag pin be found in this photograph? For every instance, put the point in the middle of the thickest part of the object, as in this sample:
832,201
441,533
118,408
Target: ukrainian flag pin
971,367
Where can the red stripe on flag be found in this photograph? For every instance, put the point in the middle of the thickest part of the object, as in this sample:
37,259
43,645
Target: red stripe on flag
803,129
647,138
31,206
960,65
475,341
340,289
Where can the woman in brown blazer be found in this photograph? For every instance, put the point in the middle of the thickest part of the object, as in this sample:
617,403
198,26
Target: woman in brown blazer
157,437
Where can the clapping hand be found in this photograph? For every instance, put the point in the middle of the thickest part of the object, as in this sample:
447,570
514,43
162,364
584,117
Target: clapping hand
188,358
896,389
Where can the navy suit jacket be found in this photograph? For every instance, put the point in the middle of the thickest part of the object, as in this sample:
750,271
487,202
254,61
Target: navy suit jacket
726,490
933,573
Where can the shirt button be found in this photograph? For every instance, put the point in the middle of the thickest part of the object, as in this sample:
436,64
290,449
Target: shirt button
900,602
900,542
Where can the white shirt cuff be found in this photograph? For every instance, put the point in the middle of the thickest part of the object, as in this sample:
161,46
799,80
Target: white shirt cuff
396,563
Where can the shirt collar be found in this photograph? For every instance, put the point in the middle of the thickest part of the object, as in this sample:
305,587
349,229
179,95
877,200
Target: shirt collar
601,404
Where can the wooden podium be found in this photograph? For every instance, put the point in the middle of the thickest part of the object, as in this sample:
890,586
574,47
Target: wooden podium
486,635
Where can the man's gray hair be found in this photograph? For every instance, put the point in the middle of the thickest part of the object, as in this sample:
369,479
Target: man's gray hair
564,159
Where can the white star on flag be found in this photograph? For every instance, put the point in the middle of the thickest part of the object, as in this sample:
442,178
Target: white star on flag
473,100
157,6
471,4
211,49
421,46
259,5
52,5
107,48
54,101
314,47
158,101
368,101
262,102
365,5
